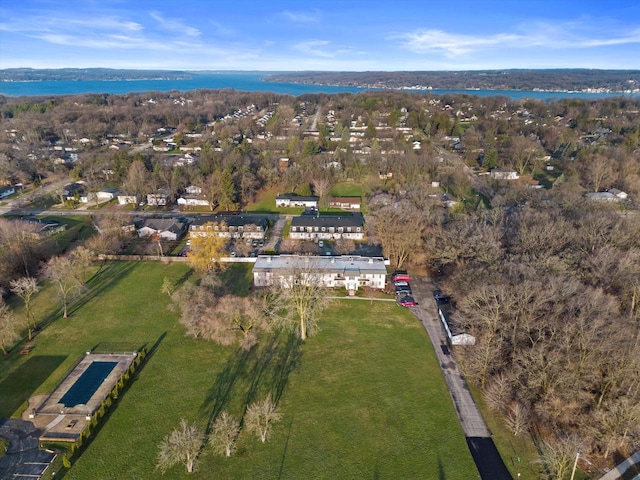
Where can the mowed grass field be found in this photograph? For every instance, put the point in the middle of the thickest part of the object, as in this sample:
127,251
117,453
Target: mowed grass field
364,398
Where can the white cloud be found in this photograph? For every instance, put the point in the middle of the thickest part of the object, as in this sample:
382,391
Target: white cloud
315,47
542,35
451,44
301,17
175,25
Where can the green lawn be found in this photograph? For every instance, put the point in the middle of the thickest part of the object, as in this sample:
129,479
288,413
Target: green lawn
265,202
362,399
347,190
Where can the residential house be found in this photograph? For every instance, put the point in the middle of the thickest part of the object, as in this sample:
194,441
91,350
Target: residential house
107,194
76,191
7,190
326,227
504,174
602,197
164,228
231,226
193,197
161,198
350,272
293,200
283,163
127,199
346,203
181,161
193,201
45,227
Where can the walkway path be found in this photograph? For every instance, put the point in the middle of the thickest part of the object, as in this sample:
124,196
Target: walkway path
483,450
620,470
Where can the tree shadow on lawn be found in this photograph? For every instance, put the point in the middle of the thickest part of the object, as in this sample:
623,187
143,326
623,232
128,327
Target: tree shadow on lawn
184,278
104,279
20,384
263,369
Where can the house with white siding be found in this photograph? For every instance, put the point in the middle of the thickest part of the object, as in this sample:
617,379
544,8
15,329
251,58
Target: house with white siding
293,200
230,226
7,190
349,271
327,227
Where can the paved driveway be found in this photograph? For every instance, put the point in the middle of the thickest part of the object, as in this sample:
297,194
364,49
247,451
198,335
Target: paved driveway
484,452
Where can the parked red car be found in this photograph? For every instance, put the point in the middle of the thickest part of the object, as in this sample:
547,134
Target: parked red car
407,301
400,276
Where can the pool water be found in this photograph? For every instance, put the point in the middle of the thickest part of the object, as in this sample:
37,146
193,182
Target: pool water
87,384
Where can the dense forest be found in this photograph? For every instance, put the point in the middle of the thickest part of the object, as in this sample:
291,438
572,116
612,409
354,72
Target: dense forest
545,275
555,80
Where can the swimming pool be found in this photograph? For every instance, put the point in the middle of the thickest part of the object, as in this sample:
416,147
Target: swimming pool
87,384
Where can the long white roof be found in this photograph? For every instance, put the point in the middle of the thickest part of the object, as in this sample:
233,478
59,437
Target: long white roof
328,264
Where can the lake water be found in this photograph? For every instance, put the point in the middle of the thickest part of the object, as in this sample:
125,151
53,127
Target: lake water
242,81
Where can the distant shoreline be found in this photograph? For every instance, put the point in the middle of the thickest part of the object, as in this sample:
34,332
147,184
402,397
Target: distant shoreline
267,82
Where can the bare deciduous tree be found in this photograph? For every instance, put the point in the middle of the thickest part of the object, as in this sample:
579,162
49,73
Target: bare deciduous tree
517,419
167,286
181,446
8,327
26,288
236,315
558,457
344,246
224,434
297,299
66,272
399,231
260,416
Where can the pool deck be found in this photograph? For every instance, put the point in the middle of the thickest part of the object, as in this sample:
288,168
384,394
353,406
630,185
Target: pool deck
65,424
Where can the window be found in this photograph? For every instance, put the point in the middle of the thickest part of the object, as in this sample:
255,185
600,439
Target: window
349,229
293,229
358,229
324,229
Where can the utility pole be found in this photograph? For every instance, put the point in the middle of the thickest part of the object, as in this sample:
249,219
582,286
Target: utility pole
575,464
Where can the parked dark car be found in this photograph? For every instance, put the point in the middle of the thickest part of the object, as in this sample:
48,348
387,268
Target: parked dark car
441,299
403,290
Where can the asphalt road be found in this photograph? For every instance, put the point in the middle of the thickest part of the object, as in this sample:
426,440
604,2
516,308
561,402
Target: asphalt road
485,454
487,458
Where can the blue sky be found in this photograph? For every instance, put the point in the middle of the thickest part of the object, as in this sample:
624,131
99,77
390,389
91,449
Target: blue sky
329,35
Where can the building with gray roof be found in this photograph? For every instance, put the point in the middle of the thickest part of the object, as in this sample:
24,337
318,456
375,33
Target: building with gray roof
348,271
